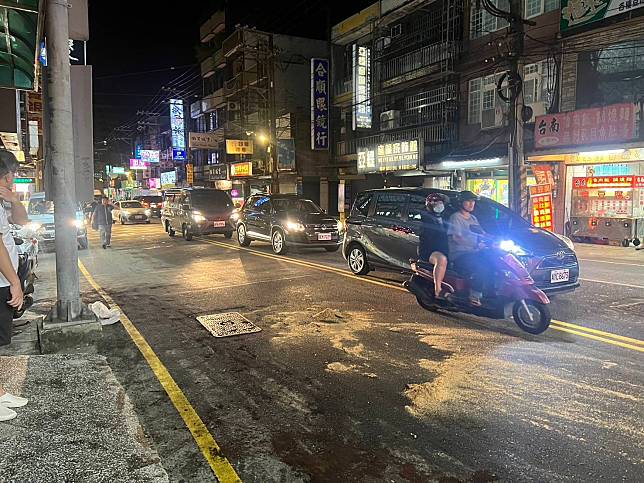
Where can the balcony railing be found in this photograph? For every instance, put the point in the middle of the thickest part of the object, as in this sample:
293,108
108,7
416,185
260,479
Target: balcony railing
419,61
343,87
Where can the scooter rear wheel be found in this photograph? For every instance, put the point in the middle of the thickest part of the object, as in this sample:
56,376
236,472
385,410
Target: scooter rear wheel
426,304
540,316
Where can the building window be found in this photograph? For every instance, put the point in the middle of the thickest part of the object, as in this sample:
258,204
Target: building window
484,103
483,22
534,8
539,83
474,104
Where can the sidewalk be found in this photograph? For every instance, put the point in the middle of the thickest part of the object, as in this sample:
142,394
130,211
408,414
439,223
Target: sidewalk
79,424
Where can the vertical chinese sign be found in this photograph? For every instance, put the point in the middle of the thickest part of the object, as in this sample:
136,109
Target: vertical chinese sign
542,209
177,124
361,87
319,104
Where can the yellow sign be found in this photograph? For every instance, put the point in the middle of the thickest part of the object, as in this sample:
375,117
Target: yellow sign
241,169
239,146
190,174
609,156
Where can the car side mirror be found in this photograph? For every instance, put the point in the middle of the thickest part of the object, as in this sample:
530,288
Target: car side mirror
476,229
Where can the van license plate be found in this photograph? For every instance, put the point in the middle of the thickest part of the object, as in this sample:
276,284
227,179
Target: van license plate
324,236
220,224
557,276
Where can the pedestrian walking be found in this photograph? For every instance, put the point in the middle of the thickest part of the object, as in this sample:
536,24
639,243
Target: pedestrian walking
8,402
12,211
102,220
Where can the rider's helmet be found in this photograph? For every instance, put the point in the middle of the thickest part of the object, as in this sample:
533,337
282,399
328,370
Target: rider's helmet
467,196
434,197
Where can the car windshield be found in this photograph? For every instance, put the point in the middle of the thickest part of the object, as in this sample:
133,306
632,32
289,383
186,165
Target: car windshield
295,205
496,218
211,199
150,199
131,204
41,207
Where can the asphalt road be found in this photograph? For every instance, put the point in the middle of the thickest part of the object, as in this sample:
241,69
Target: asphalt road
349,380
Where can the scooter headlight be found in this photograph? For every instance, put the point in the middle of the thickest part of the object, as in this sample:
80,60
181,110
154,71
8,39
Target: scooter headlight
511,247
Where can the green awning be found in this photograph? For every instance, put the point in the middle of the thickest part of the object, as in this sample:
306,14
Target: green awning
19,41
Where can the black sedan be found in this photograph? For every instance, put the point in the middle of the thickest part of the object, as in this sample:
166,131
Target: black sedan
286,221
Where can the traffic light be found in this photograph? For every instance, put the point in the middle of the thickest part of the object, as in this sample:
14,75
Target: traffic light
20,23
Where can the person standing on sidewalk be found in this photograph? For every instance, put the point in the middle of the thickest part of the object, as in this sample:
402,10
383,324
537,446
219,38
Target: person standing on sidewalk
12,211
102,218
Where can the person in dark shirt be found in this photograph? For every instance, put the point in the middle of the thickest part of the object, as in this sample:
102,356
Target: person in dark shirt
102,220
433,246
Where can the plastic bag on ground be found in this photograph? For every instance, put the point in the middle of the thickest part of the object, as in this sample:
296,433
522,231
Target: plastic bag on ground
105,315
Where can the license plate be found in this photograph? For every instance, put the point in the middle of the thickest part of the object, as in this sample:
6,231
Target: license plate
324,236
557,276
138,217
220,224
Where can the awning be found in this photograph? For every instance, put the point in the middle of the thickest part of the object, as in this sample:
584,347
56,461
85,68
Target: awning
471,158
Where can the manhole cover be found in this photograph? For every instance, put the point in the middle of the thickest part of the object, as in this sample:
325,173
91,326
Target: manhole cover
228,324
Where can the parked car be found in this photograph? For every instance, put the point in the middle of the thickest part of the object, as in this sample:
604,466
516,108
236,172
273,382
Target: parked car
130,212
197,211
153,203
288,220
41,222
383,226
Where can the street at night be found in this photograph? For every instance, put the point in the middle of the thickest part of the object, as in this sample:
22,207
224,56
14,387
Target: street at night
349,380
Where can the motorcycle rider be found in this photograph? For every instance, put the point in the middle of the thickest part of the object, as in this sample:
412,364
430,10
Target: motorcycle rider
433,243
465,247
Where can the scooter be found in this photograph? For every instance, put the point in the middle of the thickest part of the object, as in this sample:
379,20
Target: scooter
514,290
28,248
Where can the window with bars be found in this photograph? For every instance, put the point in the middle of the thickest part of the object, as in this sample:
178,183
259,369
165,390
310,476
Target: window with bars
474,102
539,81
534,8
483,22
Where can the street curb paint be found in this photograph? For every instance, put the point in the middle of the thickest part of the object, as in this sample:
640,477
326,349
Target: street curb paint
219,464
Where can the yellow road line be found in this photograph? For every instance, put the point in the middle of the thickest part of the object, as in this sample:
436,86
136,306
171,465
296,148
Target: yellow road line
599,332
221,467
582,331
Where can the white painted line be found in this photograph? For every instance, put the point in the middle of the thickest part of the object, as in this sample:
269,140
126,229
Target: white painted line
612,283
612,263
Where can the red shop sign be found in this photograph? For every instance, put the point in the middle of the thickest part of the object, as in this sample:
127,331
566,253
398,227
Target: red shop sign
585,126
608,182
542,212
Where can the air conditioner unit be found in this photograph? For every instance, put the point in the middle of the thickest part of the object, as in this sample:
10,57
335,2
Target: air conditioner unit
233,106
389,120
382,43
538,109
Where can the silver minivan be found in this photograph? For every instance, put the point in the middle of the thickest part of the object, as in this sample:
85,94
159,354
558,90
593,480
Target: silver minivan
197,211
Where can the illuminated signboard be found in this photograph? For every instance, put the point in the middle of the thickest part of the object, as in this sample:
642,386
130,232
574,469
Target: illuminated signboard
202,140
139,164
190,174
149,155
542,212
118,170
24,180
608,182
395,156
178,154
177,124
239,146
361,87
154,183
241,169
168,179
320,104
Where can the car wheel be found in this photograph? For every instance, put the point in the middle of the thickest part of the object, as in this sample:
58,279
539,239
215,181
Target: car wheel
332,249
242,236
228,235
278,242
625,242
357,260
121,220
148,222
187,234
83,243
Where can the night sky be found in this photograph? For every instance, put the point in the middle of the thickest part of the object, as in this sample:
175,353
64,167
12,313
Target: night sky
128,42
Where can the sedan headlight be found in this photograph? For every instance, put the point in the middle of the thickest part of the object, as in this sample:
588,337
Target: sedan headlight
79,223
125,213
234,216
148,212
511,247
198,218
294,226
340,226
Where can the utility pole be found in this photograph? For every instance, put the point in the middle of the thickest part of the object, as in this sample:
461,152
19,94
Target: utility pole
275,184
516,158
70,324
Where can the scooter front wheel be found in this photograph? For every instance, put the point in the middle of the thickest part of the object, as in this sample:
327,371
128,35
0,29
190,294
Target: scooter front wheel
426,304
531,316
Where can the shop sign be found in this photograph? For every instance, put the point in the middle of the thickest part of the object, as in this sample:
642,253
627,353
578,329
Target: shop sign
543,175
168,179
320,104
361,87
239,146
395,156
585,126
575,13
218,172
150,155
118,170
202,140
286,154
542,210
239,170
608,182
139,164
24,180
154,183
539,189
178,154
177,126
190,174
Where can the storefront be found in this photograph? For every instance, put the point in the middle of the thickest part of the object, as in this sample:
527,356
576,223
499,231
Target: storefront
602,183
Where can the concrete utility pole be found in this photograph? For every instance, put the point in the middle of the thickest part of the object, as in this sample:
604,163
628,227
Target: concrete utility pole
62,328
516,157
